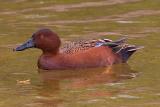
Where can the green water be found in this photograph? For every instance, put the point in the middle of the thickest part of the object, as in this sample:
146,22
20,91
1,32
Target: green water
132,85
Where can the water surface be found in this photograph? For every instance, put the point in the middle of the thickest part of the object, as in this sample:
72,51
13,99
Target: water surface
135,84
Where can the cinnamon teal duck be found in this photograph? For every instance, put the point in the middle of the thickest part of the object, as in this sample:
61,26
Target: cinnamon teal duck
81,54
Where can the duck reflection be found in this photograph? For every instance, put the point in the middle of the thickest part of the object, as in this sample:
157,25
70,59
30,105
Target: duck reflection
55,81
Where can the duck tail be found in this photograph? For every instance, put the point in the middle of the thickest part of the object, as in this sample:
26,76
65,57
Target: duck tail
127,51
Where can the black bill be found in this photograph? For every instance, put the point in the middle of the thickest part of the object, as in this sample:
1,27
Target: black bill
26,45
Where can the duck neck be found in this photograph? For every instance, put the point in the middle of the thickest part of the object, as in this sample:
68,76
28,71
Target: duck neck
51,53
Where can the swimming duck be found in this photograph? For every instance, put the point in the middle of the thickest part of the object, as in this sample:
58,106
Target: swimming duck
82,54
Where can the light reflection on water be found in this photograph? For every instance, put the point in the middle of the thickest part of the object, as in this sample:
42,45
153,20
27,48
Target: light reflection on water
132,85
77,81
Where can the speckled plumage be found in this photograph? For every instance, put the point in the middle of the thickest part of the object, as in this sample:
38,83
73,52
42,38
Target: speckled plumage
77,46
83,45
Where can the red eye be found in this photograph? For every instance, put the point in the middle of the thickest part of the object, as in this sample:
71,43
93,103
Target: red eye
41,36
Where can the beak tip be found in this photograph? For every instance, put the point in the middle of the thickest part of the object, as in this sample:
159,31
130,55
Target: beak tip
17,49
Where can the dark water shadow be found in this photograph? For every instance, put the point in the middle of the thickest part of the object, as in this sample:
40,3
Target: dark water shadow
53,81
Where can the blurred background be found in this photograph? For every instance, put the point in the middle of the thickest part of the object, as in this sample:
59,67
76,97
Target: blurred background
135,84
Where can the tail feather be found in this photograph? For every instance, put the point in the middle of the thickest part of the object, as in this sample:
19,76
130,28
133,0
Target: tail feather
119,47
127,51
110,43
135,48
120,41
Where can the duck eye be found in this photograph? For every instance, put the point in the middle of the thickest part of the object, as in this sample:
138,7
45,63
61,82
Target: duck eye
42,36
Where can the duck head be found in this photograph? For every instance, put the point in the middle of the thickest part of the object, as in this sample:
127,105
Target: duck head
44,39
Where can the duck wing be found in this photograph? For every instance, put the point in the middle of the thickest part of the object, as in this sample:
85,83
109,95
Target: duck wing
83,45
